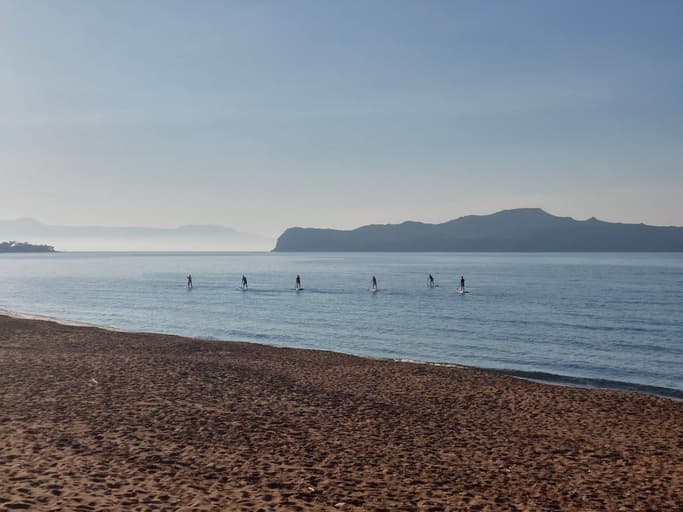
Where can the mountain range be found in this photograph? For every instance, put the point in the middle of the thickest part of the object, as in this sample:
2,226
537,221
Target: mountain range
120,238
522,229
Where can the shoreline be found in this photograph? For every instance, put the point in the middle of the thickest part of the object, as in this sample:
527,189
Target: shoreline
529,375
44,318
93,419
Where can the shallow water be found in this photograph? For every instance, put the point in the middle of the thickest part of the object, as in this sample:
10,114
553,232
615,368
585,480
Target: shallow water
614,320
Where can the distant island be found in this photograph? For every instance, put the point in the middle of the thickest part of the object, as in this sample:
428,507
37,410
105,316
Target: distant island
13,246
518,230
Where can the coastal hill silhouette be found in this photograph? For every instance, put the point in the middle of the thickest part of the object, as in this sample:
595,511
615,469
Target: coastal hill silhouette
521,230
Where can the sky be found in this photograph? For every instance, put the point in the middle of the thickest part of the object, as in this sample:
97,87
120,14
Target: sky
261,115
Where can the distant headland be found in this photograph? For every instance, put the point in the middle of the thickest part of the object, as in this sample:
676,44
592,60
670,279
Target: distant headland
13,246
518,230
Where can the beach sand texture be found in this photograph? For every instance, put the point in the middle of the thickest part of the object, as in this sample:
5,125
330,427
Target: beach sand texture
99,420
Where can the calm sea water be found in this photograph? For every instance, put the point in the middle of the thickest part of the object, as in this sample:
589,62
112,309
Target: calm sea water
612,320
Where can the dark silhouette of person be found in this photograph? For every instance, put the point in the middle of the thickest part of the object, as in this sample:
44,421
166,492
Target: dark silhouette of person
430,280
373,286
244,282
189,280
462,283
298,282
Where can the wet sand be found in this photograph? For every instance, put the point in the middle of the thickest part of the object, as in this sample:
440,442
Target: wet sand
100,420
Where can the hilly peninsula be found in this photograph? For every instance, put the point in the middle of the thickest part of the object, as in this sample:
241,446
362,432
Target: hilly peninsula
518,230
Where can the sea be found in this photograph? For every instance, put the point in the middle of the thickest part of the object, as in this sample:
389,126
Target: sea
612,320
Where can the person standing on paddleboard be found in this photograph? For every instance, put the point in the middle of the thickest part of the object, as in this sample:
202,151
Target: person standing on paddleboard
462,283
373,286
244,282
298,282
189,280
430,281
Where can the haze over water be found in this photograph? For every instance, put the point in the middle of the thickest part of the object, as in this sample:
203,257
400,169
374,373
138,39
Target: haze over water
599,319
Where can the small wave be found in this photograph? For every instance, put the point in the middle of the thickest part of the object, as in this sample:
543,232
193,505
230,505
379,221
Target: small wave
585,327
586,382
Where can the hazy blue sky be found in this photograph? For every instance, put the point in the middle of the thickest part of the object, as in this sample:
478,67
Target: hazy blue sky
262,115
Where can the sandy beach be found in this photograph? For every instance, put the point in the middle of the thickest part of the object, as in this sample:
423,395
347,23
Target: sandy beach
100,420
